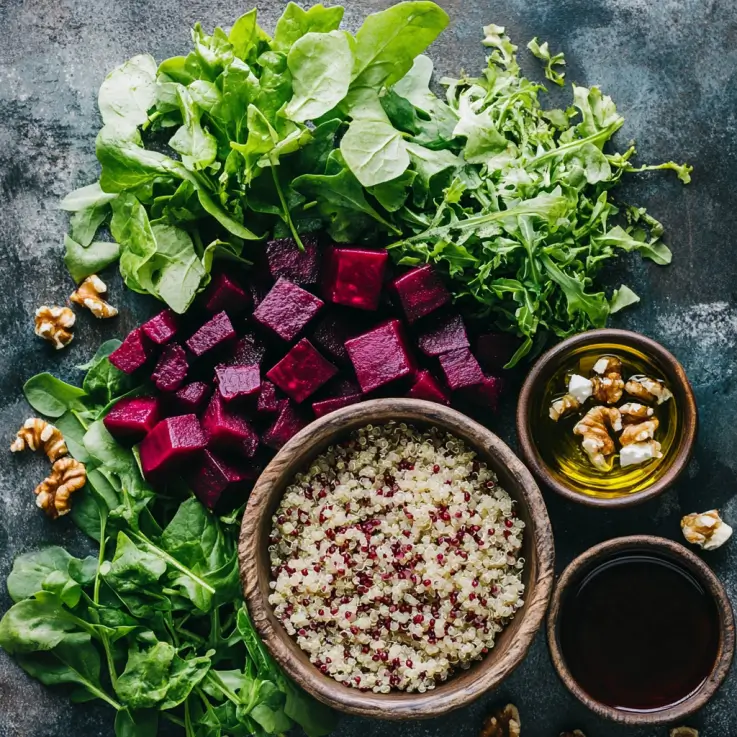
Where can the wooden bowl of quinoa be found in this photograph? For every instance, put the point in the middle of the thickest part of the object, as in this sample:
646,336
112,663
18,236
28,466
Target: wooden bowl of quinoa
397,559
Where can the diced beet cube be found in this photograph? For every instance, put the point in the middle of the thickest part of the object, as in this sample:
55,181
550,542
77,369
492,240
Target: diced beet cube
486,394
302,371
214,333
380,356
289,422
215,477
225,429
354,276
248,351
421,291
270,400
326,406
130,420
333,330
133,353
494,350
224,293
447,334
161,328
173,441
461,369
428,388
286,309
190,399
238,382
171,369
288,261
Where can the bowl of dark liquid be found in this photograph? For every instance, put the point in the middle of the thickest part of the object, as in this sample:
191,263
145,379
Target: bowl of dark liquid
640,630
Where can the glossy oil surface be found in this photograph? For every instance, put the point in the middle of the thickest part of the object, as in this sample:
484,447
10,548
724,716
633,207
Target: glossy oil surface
561,449
639,632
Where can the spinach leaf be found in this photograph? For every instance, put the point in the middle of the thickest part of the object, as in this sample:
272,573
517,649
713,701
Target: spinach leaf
53,397
132,569
82,261
103,381
88,197
128,92
622,297
84,224
320,64
30,570
374,151
197,147
140,723
296,23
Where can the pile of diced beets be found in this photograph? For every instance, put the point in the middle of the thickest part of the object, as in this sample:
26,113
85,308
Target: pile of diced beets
304,334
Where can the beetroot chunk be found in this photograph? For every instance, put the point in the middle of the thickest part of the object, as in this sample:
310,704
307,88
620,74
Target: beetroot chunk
354,277
161,328
289,422
380,356
133,353
214,333
288,261
226,430
248,351
302,371
190,399
421,292
494,350
287,308
130,420
448,334
215,477
270,400
237,382
224,293
486,394
173,441
171,369
332,331
428,388
461,369
326,406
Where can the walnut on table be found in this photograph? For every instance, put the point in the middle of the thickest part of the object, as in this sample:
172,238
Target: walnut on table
707,530
684,732
54,324
53,493
502,723
88,295
37,434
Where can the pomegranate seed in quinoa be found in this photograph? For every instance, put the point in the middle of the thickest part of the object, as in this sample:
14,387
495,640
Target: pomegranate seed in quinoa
391,564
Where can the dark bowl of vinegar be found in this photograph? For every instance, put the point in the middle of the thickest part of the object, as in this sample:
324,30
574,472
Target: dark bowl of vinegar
641,630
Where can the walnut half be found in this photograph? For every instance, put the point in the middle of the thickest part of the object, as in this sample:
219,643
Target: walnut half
707,530
575,733
502,723
54,324
594,428
53,493
37,434
88,295
683,732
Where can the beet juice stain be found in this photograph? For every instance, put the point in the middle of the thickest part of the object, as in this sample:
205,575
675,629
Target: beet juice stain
639,633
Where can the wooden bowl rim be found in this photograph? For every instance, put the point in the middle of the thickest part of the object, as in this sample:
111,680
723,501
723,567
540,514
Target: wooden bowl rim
683,393
706,576
443,698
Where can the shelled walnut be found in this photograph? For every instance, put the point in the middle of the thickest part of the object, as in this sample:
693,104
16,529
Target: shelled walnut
88,295
707,530
54,324
594,428
607,381
683,732
575,733
53,493
502,723
37,434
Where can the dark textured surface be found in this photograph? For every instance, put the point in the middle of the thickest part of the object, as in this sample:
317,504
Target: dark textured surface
670,66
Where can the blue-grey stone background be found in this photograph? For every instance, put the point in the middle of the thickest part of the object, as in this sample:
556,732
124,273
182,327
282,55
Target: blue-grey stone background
671,67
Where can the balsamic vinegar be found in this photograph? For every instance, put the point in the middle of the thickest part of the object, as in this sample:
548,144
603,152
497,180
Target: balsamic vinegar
639,632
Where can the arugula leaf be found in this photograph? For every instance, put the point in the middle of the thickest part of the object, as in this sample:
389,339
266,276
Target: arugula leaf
542,52
320,64
622,297
82,261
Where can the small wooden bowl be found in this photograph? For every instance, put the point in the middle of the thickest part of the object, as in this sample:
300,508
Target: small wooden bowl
513,643
532,394
684,557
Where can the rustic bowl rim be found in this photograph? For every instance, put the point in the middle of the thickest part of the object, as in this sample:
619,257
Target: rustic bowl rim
683,394
396,706
589,558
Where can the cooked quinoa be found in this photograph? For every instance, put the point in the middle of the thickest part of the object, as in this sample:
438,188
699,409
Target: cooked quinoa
395,558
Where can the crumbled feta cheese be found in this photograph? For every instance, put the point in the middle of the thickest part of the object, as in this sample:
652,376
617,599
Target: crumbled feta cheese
601,365
637,453
580,388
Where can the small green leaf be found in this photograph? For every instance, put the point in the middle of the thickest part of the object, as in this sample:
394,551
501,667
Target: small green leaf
374,151
622,297
51,396
81,261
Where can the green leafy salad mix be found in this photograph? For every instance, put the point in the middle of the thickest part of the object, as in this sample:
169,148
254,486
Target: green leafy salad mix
203,157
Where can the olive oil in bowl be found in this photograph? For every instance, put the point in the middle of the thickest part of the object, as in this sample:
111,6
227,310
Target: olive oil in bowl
561,449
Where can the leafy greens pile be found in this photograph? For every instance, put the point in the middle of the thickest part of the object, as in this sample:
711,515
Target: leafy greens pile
316,128
154,625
